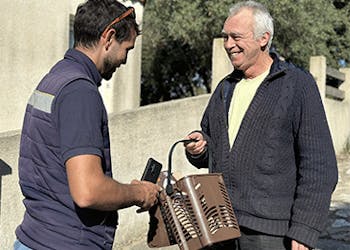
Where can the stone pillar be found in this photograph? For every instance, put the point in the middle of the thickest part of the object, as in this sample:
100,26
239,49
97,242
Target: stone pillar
345,86
128,81
318,66
221,64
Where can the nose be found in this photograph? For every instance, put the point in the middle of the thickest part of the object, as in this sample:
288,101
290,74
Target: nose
229,43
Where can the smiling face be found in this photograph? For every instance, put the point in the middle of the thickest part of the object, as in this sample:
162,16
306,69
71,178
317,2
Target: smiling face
244,50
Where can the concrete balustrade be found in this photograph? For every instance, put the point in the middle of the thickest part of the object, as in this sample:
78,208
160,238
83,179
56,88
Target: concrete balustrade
337,112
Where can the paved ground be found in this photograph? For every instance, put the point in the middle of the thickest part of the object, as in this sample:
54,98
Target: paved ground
337,233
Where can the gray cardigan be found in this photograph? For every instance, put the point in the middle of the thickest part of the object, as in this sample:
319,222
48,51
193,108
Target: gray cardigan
281,171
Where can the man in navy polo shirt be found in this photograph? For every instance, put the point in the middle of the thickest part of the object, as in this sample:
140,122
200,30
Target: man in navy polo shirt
65,168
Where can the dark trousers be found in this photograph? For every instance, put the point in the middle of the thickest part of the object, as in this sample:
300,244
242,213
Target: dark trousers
252,240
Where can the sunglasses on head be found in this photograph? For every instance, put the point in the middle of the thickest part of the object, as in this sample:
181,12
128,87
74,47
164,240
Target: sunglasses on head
129,11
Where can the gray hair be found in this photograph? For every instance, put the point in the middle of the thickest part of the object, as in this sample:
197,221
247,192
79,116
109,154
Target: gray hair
263,20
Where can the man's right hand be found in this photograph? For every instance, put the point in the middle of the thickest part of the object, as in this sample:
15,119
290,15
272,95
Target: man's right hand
149,194
91,188
198,147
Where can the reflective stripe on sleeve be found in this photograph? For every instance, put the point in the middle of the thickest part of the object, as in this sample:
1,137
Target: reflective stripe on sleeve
41,101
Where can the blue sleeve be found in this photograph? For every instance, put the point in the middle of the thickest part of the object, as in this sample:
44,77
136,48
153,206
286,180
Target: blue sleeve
79,120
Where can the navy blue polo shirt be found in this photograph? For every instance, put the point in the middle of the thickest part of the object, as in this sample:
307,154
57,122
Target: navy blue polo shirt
80,112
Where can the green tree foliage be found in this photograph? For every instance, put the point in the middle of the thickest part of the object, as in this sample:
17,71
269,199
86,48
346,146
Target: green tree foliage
178,35
305,28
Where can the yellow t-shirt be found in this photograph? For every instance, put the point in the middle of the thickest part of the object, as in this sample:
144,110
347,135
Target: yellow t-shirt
241,99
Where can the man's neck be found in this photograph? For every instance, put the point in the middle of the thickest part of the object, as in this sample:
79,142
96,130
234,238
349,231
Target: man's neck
93,54
263,63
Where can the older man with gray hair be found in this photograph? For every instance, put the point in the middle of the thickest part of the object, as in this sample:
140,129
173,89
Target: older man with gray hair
267,130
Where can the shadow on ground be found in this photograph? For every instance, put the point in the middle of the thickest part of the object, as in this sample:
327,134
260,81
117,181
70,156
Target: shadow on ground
336,236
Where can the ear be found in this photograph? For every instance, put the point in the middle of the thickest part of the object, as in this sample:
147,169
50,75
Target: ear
108,38
264,40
